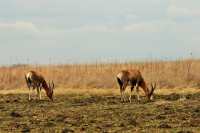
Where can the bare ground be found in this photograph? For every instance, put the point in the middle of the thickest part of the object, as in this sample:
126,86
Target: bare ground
100,112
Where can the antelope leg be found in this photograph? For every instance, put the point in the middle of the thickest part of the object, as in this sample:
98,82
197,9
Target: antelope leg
40,93
123,89
121,92
132,87
29,94
137,92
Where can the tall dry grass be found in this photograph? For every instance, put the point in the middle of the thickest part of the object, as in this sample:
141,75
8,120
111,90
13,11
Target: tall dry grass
167,74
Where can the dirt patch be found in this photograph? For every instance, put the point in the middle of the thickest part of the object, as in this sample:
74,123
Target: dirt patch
15,114
185,132
98,113
67,130
164,125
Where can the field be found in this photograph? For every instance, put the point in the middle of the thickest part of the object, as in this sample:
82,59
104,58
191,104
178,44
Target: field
167,74
100,110
87,99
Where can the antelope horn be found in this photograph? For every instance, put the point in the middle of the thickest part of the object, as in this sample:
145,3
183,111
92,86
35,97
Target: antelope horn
49,84
153,87
52,84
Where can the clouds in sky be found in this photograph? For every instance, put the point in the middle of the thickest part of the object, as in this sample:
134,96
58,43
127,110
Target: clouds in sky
90,30
18,25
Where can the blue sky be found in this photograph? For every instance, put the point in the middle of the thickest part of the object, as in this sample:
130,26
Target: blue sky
78,31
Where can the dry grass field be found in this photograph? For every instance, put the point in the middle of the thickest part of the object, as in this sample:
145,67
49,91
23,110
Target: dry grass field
87,99
167,74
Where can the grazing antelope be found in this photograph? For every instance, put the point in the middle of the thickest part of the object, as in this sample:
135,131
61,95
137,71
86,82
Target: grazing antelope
37,81
133,78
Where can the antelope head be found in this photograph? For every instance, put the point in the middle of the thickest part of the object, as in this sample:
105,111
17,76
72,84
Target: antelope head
150,95
51,87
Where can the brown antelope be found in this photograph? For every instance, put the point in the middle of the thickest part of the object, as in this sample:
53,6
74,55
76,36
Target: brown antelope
37,81
134,78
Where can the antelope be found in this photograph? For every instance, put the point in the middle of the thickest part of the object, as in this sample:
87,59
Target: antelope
35,80
134,78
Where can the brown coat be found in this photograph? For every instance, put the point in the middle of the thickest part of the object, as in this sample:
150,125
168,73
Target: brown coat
133,78
35,80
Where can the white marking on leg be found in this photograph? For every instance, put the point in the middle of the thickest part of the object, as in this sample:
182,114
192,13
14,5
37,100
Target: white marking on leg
131,94
121,94
29,95
124,97
37,89
123,89
137,92
151,98
40,94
